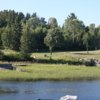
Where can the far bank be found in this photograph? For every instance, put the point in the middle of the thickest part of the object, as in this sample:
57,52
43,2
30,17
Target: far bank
54,72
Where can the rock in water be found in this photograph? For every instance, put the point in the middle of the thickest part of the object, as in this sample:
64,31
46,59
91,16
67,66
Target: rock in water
68,97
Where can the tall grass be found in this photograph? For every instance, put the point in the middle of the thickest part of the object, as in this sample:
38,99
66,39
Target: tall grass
56,70
51,72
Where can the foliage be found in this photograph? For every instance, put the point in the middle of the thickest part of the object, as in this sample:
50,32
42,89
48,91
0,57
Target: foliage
52,22
76,36
16,35
1,55
53,39
73,31
7,37
17,57
86,39
90,62
26,42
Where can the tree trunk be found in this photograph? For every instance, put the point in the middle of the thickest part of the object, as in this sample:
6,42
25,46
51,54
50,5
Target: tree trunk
87,48
73,37
50,53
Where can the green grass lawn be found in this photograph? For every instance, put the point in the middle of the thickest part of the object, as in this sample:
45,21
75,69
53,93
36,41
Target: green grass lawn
76,55
55,71
69,55
51,72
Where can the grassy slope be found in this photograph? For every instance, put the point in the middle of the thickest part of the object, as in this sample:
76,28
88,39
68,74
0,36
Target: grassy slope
69,55
55,71
51,72
63,55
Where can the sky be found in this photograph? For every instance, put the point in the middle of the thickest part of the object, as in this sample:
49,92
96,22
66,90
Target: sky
85,10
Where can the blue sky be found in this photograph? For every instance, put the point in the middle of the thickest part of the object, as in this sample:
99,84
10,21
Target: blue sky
85,10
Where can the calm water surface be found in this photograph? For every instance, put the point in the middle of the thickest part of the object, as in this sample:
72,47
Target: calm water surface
85,90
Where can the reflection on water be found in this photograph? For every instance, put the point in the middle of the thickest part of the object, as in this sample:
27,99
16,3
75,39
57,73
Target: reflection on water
7,90
85,90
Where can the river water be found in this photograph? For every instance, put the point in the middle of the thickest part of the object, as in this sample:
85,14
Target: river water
85,90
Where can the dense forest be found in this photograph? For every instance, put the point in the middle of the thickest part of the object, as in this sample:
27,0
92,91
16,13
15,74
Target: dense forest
29,33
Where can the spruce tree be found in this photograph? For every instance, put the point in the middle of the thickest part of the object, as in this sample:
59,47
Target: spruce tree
26,41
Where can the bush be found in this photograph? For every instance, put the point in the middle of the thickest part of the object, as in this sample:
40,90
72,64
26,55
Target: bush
17,57
90,62
24,57
1,55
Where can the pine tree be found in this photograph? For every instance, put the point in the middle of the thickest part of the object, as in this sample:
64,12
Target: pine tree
26,41
7,37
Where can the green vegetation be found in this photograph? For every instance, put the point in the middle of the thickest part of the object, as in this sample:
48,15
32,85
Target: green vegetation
73,58
53,38
55,69
29,33
51,72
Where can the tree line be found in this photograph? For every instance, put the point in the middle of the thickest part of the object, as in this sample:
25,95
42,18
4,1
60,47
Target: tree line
29,33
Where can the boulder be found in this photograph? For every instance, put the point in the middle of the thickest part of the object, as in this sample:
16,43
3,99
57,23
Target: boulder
68,97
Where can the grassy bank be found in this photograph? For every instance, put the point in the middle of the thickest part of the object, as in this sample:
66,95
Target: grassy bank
71,58
64,66
51,72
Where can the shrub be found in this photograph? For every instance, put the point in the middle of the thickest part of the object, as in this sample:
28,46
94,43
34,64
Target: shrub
90,62
1,55
17,57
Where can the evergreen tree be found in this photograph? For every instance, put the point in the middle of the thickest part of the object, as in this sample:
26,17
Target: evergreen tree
7,37
98,37
38,38
1,31
92,36
16,35
26,41
86,39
